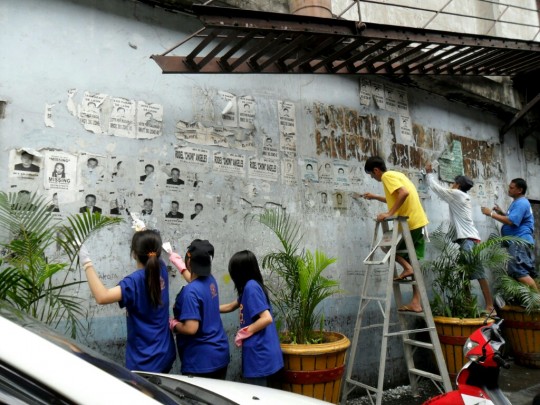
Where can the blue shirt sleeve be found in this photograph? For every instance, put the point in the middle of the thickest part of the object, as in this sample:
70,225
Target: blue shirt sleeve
189,305
517,212
255,301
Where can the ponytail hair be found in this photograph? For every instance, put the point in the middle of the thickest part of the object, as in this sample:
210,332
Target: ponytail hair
146,245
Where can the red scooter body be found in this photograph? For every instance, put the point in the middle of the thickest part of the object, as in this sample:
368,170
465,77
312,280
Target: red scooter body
478,380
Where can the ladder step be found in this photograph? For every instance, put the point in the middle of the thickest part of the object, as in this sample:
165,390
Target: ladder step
409,331
375,262
425,374
418,343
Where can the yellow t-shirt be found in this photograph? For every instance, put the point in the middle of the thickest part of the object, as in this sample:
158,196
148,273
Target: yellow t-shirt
411,207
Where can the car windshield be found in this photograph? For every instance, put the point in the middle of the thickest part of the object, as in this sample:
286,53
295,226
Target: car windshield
85,353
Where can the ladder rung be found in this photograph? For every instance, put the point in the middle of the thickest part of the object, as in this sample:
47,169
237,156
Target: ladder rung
359,384
374,298
425,374
418,343
409,331
375,262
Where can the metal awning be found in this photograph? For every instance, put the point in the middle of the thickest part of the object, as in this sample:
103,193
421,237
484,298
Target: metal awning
246,41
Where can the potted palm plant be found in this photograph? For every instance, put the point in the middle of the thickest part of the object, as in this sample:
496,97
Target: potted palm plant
521,319
314,358
37,254
455,308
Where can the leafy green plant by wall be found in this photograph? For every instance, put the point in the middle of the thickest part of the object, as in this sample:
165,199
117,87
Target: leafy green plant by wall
34,279
452,268
296,283
515,293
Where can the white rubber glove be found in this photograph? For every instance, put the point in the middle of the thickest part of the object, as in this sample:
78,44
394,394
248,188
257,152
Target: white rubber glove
84,256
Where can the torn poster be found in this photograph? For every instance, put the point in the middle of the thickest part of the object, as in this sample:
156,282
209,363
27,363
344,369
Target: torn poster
90,112
287,126
230,163
263,169
92,169
192,156
378,95
122,120
149,120
229,113
60,170
309,172
269,150
70,104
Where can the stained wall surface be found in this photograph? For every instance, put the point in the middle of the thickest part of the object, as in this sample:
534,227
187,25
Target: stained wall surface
79,89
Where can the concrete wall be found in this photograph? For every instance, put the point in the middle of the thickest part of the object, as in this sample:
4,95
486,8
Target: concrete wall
55,51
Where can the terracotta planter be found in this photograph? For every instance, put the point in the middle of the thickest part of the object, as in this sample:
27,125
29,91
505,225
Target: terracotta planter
316,370
522,331
453,333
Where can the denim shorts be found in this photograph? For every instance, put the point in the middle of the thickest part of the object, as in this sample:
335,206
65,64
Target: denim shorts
521,263
466,245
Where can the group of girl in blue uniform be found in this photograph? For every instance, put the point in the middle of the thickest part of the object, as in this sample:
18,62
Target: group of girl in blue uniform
201,340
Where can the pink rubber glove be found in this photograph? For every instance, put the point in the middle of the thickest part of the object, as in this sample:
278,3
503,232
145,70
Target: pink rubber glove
172,323
178,262
241,335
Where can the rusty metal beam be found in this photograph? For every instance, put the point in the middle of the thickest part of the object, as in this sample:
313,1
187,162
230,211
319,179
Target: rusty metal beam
516,118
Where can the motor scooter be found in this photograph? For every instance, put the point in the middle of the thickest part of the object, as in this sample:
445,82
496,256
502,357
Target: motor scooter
478,380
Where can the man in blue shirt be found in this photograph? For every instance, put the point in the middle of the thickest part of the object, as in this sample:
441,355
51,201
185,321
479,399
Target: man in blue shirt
519,222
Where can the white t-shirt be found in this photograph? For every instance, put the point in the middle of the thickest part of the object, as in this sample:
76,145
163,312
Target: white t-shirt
460,208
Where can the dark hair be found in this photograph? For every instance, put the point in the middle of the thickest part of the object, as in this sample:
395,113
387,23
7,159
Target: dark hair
94,159
149,165
175,169
148,199
200,205
147,247
63,174
90,195
243,267
175,202
25,153
520,183
464,183
374,162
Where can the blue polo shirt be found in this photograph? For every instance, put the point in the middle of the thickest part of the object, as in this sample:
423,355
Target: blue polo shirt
150,345
207,350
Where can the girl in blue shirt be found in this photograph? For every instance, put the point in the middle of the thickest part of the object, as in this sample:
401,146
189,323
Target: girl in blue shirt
262,357
145,295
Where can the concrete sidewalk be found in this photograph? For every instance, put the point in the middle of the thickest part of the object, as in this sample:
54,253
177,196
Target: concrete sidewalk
520,384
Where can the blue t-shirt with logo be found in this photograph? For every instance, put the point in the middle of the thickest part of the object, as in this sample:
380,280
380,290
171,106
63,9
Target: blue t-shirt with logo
520,213
207,350
261,352
150,345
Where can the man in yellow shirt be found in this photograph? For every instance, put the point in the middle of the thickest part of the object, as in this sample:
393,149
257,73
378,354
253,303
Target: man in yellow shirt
402,199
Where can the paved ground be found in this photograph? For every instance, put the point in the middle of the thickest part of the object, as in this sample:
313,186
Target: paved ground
520,385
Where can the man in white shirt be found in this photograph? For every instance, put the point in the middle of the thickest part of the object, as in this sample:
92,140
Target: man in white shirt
467,235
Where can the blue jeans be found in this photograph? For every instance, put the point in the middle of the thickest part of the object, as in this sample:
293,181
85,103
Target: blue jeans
522,262
466,245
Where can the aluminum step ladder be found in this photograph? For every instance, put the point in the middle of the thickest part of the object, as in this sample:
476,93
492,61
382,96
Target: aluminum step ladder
387,240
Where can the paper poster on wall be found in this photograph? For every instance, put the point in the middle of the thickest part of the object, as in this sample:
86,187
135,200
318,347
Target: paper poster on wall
378,95
405,128
365,92
309,170
149,120
287,126
246,112
263,169
390,95
230,163
340,200
122,120
194,157
91,110
92,169
341,175
60,170
288,171
26,163
229,113
402,102
356,173
270,151
326,172
48,120
451,162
